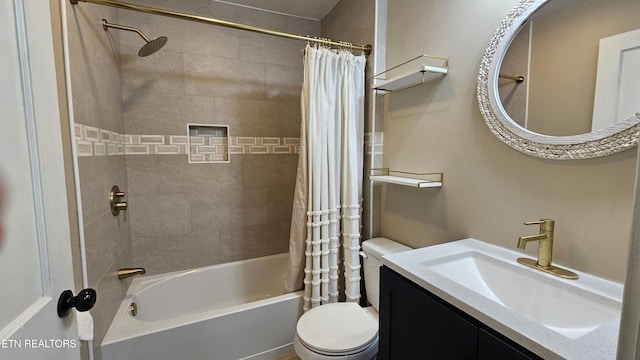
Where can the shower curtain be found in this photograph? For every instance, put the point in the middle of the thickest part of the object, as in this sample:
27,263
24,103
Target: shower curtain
327,199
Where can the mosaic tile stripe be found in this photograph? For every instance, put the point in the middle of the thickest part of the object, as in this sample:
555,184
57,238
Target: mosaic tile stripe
92,141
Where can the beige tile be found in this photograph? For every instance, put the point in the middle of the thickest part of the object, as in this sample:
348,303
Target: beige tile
95,81
270,49
242,115
259,117
280,118
280,201
217,76
284,82
303,26
155,113
256,240
84,148
163,253
161,73
147,23
216,248
224,208
172,174
351,21
110,291
199,110
268,171
98,78
101,239
247,81
137,150
184,36
97,176
161,214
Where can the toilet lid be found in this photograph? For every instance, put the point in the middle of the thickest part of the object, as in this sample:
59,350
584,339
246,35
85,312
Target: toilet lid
337,328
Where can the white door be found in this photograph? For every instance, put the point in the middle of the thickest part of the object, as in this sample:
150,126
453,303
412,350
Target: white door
35,255
617,96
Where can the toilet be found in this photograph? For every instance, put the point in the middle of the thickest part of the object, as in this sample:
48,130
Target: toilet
346,331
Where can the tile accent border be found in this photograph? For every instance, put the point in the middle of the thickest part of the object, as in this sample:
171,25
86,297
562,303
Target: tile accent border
92,141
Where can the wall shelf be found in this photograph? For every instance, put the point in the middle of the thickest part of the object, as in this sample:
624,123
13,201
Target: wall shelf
207,143
414,72
418,180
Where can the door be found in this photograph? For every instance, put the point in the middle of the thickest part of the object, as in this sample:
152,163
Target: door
35,254
617,96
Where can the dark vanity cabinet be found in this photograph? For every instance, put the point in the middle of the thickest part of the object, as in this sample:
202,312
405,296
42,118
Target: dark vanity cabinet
415,324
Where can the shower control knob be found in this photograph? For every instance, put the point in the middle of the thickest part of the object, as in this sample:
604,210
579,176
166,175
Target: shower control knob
84,301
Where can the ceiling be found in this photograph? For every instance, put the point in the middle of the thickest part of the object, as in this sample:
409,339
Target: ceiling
312,9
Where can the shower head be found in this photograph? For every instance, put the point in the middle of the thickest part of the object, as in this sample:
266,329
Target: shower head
147,49
152,46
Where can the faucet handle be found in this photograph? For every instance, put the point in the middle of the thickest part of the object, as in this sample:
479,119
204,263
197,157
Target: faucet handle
545,224
537,222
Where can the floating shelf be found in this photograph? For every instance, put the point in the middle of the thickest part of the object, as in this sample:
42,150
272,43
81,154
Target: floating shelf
419,180
414,72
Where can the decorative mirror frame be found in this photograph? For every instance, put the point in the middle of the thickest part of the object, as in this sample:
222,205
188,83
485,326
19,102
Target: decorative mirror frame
615,138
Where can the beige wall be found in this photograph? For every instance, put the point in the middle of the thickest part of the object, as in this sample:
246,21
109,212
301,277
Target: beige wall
513,95
564,60
489,188
95,84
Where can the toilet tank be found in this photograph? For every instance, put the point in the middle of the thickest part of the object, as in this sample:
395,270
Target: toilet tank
374,249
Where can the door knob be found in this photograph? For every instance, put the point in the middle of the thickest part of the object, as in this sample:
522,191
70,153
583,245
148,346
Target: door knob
84,301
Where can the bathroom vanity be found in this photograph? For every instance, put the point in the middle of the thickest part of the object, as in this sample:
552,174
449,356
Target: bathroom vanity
469,299
415,323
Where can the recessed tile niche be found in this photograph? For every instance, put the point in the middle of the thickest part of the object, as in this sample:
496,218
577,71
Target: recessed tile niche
208,143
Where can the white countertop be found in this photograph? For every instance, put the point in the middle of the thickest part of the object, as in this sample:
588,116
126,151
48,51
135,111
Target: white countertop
599,344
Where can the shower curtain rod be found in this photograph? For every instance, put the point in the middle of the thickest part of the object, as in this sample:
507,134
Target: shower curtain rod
206,20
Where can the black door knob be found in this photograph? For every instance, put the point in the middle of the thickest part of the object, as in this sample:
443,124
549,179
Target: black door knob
84,301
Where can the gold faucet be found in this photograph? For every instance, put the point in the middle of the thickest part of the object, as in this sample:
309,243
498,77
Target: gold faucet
545,250
129,272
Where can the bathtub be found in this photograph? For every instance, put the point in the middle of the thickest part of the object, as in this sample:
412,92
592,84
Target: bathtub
221,312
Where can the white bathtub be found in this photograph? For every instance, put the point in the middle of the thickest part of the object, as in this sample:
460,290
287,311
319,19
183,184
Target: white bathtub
222,312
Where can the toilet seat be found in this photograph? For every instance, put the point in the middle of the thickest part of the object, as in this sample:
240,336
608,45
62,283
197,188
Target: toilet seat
338,329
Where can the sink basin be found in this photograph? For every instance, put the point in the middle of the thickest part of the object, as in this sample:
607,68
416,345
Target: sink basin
569,311
553,317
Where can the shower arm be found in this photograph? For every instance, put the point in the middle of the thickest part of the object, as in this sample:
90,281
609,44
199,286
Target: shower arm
106,25
175,14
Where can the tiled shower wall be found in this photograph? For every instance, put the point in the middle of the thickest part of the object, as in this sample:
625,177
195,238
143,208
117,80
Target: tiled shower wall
95,85
187,215
131,115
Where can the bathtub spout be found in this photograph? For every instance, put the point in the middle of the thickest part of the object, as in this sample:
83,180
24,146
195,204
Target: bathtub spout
129,272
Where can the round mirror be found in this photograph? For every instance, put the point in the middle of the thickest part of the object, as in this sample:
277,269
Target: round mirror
559,79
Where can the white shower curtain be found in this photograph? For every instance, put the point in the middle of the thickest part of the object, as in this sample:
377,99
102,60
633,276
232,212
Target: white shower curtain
327,199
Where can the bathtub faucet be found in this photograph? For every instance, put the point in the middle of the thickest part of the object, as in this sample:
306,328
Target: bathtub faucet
129,272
